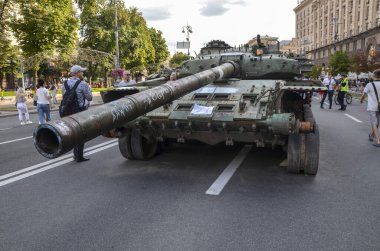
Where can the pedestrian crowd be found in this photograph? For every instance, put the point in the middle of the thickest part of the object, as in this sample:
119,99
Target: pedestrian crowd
371,92
335,85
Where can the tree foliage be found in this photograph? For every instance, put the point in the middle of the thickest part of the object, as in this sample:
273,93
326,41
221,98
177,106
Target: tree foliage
363,63
160,48
44,25
340,63
9,54
178,58
139,46
136,48
5,42
316,71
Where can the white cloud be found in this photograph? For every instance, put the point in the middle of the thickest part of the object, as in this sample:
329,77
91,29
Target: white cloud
213,8
155,14
218,7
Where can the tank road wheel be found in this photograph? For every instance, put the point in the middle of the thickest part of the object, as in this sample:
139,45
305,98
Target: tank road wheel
312,152
295,143
125,146
303,152
143,147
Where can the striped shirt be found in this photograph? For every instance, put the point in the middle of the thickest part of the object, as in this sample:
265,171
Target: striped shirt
83,90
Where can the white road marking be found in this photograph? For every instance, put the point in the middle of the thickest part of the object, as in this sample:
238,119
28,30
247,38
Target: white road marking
3,129
353,118
26,175
218,185
6,176
325,103
10,141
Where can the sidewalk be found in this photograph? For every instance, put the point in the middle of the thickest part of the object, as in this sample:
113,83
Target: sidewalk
8,105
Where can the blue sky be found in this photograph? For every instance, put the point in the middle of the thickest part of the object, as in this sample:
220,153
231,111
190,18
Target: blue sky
234,21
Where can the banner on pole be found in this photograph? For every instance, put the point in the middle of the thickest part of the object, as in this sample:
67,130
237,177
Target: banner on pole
183,45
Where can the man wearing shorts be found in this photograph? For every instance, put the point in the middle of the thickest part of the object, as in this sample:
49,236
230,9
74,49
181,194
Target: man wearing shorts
372,107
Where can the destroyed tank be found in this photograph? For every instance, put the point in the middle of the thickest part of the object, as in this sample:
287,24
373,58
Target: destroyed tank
232,95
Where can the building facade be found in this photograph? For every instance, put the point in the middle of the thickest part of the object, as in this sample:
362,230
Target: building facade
326,26
288,47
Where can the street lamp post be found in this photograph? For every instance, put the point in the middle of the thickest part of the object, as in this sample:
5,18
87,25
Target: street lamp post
12,80
189,30
22,74
117,63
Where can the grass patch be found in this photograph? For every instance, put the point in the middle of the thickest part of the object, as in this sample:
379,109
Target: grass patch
8,94
8,108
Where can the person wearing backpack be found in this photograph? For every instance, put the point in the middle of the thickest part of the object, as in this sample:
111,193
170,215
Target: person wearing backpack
372,91
75,92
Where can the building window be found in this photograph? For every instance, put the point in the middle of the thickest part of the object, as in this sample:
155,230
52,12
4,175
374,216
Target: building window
350,6
358,44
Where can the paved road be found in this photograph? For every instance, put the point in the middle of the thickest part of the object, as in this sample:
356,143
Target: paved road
112,203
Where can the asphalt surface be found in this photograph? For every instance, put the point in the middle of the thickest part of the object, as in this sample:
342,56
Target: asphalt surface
110,203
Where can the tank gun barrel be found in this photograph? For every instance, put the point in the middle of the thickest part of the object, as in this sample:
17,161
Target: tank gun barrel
60,136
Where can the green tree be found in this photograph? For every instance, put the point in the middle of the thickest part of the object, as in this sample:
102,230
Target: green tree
362,62
97,32
9,56
136,48
359,62
316,71
97,29
44,25
160,48
340,63
178,58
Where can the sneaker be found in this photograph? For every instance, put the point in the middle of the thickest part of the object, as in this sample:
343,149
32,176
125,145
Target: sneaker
22,123
29,122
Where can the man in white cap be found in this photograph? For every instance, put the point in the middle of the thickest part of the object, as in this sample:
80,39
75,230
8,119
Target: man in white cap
173,76
84,93
127,80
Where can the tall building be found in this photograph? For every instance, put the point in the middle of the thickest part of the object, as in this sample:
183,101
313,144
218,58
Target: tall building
325,26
